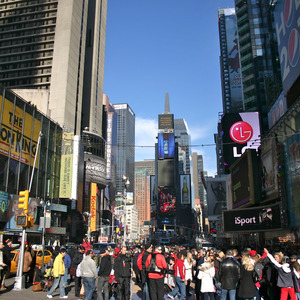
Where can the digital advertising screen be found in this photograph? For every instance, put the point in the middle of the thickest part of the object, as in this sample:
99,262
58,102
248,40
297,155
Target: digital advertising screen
252,219
185,189
166,121
166,145
240,131
216,195
166,172
166,205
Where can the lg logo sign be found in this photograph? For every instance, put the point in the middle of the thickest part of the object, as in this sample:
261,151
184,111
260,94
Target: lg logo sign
241,133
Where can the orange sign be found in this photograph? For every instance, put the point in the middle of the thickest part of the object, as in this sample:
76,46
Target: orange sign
93,206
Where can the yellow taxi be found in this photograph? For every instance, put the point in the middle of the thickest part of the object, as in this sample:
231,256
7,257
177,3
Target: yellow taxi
39,259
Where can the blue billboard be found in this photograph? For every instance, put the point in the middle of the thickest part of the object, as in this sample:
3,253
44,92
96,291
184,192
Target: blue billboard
166,145
287,23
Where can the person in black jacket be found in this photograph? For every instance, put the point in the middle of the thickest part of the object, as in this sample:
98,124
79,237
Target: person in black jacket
77,259
229,275
122,268
104,272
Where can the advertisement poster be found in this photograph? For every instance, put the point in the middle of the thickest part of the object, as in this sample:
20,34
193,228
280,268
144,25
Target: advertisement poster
185,189
166,202
216,195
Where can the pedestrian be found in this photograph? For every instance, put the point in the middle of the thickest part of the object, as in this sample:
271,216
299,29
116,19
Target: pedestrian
26,264
180,288
6,260
285,276
247,288
189,264
206,274
58,274
104,272
2,264
229,275
86,244
67,262
199,262
77,259
122,269
136,270
89,274
144,255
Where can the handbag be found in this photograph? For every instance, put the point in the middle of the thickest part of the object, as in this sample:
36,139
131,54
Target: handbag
37,287
73,271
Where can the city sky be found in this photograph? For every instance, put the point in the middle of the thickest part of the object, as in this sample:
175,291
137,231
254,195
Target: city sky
159,46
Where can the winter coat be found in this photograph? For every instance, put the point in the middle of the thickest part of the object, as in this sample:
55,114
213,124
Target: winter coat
160,262
122,266
88,267
77,259
179,269
58,266
27,260
188,270
67,261
105,266
87,246
206,274
229,273
247,288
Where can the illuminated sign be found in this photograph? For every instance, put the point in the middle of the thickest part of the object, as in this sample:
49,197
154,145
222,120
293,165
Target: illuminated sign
166,145
93,208
166,121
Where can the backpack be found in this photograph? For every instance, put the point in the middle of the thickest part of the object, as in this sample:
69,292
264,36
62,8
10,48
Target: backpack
139,261
153,268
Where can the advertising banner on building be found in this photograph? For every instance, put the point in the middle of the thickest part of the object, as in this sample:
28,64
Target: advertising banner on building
93,205
166,121
287,25
129,198
166,145
66,167
185,189
236,92
166,172
269,174
241,131
166,202
153,190
216,196
277,110
17,128
292,163
252,219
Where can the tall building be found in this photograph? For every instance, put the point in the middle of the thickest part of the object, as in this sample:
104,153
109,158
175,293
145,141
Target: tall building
142,195
259,56
125,146
183,138
132,222
57,46
147,164
232,92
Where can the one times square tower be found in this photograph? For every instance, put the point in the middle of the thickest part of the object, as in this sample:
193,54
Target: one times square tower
171,191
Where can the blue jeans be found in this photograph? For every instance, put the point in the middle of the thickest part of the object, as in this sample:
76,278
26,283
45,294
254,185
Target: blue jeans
61,282
179,287
66,276
231,294
89,287
298,296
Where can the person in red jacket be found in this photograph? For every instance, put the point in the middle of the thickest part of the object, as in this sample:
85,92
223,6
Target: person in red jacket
156,273
86,244
179,278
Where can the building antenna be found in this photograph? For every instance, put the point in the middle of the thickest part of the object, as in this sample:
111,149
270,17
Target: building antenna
167,104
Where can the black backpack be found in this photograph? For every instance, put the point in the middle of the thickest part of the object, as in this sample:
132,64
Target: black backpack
153,268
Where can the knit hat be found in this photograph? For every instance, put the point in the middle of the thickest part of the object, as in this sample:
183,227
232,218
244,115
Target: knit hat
147,246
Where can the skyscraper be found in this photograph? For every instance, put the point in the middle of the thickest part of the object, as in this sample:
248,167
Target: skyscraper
183,138
125,146
57,46
232,92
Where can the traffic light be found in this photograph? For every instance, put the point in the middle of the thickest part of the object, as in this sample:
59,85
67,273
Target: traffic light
30,220
21,220
23,201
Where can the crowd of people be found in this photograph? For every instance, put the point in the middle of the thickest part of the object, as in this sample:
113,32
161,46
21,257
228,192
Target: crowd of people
160,272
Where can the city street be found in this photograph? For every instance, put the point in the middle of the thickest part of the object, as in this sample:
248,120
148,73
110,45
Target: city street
29,294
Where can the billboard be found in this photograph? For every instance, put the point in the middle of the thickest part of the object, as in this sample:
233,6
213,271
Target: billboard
153,190
129,198
287,23
185,189
166,172
277,110
19,133
240,131
244,184
252,219
93,204
292,163
166,121
166,145
235,77
216,196
166,204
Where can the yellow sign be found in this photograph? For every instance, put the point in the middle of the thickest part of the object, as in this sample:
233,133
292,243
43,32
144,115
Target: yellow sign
66,166
13,143
93,206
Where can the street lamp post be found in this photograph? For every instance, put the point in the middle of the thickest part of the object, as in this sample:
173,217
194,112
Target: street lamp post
126,184
45,205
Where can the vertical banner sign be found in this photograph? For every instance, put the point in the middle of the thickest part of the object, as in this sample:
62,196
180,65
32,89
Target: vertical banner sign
93,206
66,164
12,142
185,187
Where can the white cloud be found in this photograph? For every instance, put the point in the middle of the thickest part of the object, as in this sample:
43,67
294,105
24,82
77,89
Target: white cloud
145,138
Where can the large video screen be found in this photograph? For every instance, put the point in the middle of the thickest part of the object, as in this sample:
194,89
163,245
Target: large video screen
166,202
166,172
166,145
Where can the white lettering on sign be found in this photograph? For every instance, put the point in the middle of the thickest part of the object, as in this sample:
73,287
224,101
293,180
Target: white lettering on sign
242,221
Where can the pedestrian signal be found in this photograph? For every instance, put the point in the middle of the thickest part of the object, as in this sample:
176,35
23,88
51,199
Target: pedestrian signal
21,220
